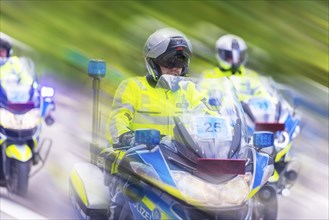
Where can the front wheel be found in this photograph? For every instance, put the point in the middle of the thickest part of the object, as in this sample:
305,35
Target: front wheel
266,204
18,177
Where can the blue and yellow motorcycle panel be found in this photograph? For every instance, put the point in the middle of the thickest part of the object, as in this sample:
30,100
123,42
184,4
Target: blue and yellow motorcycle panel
290,125
275,177
78,185
263,160
283,152
21,153
147,209
165,181
161,168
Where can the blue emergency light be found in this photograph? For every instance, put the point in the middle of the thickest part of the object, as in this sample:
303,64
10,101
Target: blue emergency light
263,139
96,68
147,136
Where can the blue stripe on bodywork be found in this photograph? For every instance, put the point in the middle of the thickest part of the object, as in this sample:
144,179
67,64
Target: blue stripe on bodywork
261,163
290,125
156,160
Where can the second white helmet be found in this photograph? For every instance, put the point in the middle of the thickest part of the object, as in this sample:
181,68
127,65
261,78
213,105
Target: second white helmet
231,52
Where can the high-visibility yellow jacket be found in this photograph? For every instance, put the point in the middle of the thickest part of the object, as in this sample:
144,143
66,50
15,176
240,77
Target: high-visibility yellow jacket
138,105
244,81
14,72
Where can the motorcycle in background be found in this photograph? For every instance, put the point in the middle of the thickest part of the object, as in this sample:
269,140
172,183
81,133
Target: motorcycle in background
22,110
267,110
207,169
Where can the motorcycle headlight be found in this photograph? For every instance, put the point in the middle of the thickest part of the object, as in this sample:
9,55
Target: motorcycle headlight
19,121
199,192
144,170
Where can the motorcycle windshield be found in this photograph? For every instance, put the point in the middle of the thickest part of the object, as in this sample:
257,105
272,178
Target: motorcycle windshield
18,93
19,98
215,125
19,87
264,109
261,100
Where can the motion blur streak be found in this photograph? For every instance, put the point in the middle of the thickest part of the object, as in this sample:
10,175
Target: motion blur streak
18,212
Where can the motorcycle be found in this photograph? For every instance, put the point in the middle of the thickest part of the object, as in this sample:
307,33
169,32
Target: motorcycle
267,110
207,169
22,109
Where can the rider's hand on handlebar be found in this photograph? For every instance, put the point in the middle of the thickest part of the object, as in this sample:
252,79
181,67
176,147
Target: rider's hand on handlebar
127,139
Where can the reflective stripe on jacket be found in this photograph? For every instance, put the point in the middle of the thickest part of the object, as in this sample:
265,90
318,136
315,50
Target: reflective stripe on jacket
137,105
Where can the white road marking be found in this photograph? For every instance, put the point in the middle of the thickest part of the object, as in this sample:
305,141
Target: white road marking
17,211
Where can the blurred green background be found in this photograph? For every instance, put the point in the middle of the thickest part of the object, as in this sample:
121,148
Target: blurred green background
285,38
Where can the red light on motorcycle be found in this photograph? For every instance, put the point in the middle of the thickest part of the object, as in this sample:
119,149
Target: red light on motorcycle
273,127
221,166
20,107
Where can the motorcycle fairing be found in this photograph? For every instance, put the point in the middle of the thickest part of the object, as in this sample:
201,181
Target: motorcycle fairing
87,193
275,177
151,177
283,152
159,205
149,207
22,153
291,125
153,205
259,168
46,106
156,157
263,162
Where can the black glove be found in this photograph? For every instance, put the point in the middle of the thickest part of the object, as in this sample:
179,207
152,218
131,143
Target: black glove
127,139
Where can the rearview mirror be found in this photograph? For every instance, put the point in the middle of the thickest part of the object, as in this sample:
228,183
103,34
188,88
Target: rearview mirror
47,92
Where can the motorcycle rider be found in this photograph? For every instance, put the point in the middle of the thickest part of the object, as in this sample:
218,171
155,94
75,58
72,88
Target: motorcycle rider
139,104
231,54
11,68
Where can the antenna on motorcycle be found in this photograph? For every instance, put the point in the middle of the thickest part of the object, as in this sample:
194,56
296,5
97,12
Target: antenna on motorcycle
96,70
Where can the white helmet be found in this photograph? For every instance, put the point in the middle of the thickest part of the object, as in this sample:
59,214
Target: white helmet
169,48
231,52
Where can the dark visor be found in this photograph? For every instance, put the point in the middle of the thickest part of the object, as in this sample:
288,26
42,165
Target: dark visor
227,55
174,59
